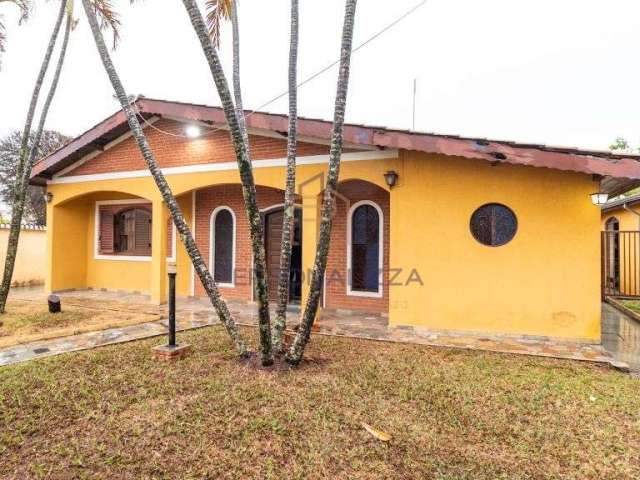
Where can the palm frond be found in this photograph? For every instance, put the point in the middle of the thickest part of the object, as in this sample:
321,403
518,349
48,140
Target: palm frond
216,11
3,35
25,7
108,18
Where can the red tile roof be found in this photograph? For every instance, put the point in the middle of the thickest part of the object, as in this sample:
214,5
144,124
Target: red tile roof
619,171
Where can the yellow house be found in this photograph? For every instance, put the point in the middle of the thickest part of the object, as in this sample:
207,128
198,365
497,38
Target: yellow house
621,247
433,231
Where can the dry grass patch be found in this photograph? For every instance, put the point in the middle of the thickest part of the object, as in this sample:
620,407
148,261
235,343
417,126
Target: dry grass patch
29,321
114,412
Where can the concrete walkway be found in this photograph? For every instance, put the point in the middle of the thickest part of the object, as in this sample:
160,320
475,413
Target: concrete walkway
197,313
621,336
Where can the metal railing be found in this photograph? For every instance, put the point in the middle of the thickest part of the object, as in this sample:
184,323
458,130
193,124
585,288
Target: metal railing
620,255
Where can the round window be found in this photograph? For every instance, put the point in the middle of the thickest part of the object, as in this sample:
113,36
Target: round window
493,224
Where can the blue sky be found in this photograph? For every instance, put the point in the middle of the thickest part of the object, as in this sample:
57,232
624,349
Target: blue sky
561,73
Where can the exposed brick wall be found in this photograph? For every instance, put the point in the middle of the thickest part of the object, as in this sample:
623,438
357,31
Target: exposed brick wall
172,151
336,276
231,196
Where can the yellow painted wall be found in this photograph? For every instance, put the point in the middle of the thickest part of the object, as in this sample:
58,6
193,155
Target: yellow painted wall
31,260
67,246
628,220
544,282
72,239
112,274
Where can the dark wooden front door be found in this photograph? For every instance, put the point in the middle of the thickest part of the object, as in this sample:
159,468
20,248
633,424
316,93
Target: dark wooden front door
273,242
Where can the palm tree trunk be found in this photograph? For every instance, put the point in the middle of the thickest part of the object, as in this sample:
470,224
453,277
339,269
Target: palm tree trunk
176,213
246,177
20,193
289,192
294,355
237,88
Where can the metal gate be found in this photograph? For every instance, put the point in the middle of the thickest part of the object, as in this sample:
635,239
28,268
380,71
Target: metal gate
620,263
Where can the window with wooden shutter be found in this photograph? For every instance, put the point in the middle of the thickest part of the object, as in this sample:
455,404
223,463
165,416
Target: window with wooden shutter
124,230
364,249
223,246
106,232
142,231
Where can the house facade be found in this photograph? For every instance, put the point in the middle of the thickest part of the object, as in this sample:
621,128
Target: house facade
621,247
474,236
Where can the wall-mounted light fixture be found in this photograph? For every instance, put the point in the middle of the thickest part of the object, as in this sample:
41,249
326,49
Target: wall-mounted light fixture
599,198
391,178
192,131
48,197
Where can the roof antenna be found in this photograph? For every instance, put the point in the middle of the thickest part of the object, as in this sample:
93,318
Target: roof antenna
415,87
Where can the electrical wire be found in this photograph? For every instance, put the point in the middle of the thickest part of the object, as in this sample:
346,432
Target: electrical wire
302,83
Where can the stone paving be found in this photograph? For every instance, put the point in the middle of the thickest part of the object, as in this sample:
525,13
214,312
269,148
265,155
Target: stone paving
621,336
197,313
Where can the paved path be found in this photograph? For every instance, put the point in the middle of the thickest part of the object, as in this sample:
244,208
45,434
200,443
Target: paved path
621,336
198,313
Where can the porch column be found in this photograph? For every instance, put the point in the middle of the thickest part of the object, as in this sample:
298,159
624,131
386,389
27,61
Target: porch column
48,276
311,203
159,250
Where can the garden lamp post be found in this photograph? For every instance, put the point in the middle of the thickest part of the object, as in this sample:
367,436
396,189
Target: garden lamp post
171,271
171,350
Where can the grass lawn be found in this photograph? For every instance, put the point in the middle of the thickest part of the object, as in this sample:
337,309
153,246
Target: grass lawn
114,412
632,305
30,321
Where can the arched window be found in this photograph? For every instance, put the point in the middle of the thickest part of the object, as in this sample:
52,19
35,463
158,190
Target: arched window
612,224
223,246
364,249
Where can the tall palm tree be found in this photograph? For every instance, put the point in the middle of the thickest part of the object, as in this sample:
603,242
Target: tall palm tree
294,355
108,19
238,137
25,9
216,11
176,213
289,192
19,193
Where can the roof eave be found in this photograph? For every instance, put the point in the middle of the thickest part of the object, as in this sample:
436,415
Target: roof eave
618,171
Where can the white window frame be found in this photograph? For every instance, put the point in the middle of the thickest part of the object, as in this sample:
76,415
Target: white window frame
96,234
212,245
358,293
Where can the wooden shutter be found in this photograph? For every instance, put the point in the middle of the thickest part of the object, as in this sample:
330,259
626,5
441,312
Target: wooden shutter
142,231
105,242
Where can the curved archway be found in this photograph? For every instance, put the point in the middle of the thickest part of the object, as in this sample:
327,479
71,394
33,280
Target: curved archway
369,292
612,249
612,224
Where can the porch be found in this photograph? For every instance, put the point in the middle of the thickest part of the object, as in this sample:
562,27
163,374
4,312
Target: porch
195,313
